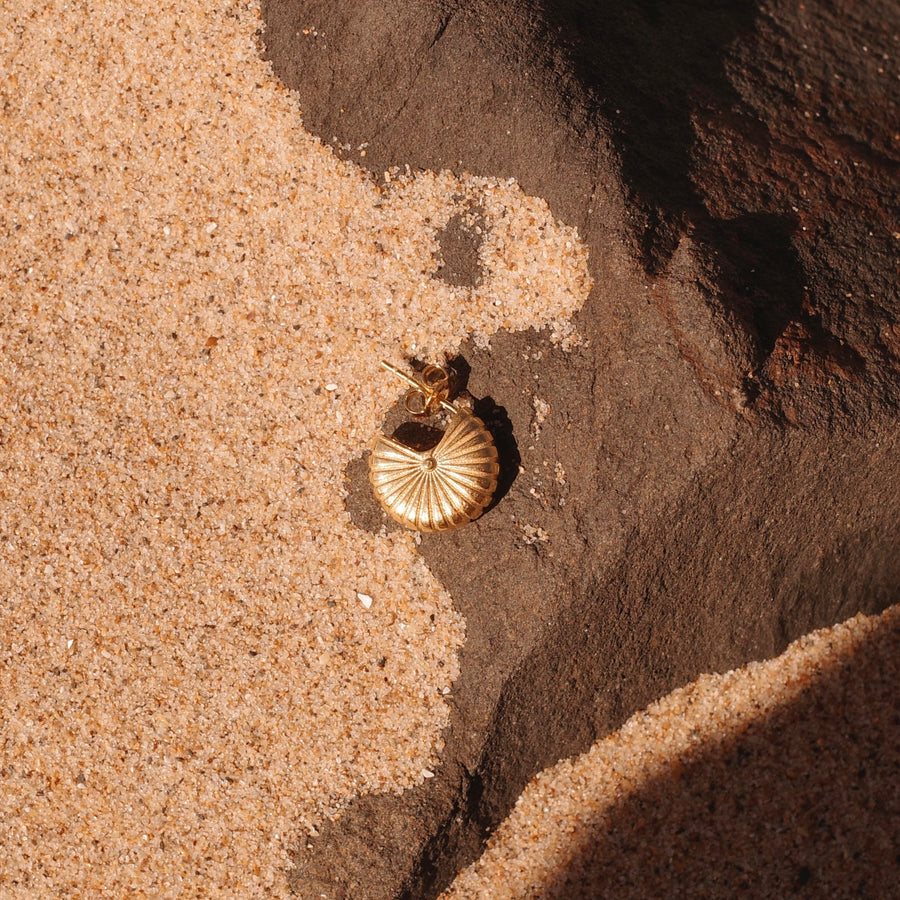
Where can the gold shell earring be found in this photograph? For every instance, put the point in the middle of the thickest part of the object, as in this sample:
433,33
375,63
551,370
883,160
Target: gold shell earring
446,486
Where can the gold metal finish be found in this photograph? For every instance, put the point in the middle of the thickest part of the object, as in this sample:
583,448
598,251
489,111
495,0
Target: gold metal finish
446,486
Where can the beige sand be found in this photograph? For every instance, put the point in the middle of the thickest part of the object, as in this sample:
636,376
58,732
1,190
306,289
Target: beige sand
195,297
564,828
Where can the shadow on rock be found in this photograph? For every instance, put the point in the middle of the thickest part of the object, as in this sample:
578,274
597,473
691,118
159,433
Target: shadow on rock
648,66
804,802
499,425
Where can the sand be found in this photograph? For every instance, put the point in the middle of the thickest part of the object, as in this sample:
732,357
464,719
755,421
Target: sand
776,779
195,298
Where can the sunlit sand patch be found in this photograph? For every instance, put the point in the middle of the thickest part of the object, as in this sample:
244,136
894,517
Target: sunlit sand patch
195,297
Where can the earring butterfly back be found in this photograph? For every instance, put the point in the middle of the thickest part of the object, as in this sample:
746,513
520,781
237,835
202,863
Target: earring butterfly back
447,485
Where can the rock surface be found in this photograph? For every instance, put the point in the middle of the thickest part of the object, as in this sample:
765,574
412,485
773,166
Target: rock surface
712,472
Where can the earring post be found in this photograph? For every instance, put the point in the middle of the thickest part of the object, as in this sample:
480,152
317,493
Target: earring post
400,374
429,392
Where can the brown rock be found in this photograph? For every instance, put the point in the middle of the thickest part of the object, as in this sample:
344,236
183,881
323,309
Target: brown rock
716,470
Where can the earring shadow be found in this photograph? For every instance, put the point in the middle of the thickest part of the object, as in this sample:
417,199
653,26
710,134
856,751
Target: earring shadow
498,423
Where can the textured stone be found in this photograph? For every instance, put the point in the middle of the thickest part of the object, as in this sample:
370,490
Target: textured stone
713,471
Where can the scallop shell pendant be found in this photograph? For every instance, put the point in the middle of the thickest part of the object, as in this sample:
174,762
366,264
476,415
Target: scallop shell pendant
444,487
441,488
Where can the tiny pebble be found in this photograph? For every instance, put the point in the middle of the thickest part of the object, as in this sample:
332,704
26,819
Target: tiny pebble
365,599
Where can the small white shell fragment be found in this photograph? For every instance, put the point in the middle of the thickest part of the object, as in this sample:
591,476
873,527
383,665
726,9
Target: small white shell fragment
331,387
427,773
365,599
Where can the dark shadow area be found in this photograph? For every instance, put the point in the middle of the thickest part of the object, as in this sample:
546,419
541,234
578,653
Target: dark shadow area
418,435
804,802
459,369
364,510
649,66
760,278
499,425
